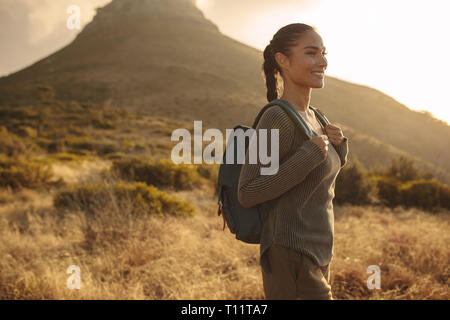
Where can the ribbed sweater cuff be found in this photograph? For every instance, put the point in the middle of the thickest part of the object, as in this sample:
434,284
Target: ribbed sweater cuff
342,151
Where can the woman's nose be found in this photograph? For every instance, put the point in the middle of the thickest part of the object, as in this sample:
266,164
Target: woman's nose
324,63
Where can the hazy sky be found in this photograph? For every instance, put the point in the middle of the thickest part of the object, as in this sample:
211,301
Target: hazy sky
399,47
32,29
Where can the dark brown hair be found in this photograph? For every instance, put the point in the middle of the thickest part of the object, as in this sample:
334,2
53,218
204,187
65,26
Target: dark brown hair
282,41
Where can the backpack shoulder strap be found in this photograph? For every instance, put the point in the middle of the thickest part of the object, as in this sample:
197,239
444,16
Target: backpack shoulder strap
321,116
290,110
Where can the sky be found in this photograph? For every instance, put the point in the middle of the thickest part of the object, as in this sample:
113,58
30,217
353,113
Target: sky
399,47
32,29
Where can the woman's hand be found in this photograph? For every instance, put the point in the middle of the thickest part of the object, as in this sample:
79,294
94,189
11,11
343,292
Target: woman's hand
334,134
322,141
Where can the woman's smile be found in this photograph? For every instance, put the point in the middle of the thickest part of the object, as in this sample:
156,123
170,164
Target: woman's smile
319,74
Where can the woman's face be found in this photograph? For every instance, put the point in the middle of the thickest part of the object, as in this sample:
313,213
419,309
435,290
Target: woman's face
307,63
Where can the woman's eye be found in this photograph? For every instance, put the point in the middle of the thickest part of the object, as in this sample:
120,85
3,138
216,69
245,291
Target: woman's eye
324,53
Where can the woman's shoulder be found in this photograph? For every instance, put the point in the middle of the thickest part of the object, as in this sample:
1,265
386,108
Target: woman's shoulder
276,117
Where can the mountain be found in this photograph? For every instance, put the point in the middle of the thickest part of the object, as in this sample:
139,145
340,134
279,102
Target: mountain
164,57
154,55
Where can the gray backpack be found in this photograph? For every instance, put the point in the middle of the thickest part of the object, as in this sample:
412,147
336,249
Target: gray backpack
247,223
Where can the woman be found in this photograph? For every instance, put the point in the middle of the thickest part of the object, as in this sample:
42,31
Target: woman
297,239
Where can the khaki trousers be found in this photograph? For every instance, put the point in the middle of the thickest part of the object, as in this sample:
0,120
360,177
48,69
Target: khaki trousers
295,276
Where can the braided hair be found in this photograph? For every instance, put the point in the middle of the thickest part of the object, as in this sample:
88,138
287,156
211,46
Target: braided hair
282,41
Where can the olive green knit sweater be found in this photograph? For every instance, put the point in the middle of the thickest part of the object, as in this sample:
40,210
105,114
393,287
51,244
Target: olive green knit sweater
301,214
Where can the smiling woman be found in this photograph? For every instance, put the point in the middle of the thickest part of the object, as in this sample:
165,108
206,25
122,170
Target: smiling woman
297,237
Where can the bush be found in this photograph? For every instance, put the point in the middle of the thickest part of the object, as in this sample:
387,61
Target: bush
132,146
53,133
19,174
426,194
444,196
420,193
83,143
138,197
106,148
25,131
103,124
20,113
388,191
208,171
52,146
403,169
404,184
67,157
114,156
161,173
353,185
13,146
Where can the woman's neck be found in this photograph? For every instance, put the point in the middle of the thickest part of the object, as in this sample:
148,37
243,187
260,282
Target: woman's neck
299,99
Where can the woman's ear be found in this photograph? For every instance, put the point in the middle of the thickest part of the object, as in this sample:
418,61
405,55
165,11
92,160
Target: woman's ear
281,59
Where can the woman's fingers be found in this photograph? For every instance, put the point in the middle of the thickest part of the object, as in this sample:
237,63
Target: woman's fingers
326,140
334,133
331,132
332,127
333,138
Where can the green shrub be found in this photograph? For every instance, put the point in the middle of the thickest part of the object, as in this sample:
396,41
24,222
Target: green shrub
20,113
422,193
106,148
208,171
137,197
73,118
13,146
103,124
52,146
25,131
83,143
66,157
18,174
388,191
53,133
76,131
403,169
160,173
114,156
353,185
132,146
426,194
444,196
81,153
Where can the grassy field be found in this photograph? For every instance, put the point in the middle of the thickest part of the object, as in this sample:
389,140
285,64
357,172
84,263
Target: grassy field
128,252
124,256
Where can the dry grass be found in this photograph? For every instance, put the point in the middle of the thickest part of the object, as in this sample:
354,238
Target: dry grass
79,172
411,247
123,256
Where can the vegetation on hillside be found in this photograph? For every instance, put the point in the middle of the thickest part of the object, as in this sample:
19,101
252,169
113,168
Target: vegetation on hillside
141,227
401,184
